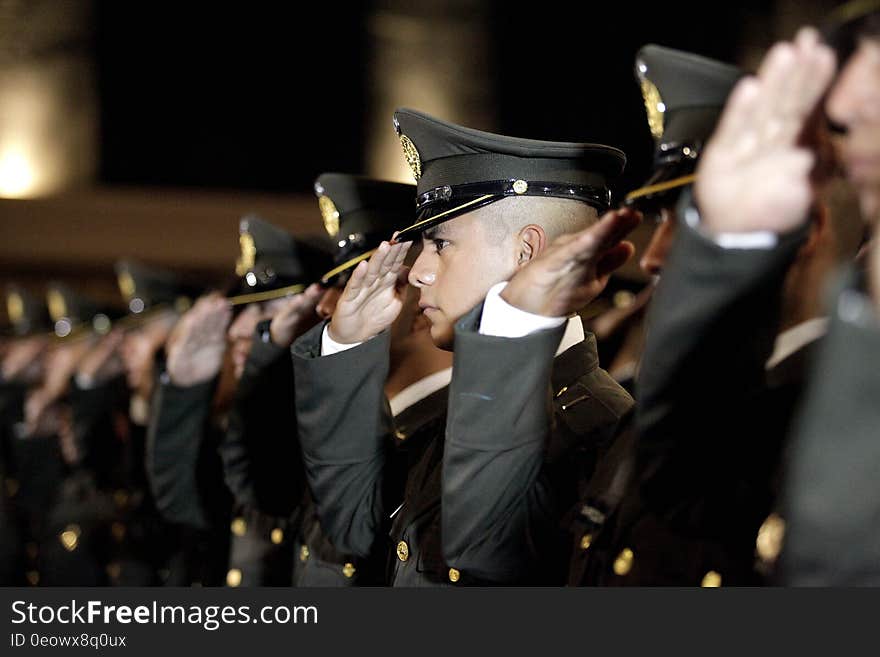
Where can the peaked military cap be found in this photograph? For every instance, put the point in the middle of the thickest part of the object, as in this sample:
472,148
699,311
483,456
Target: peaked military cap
73,312
27,313
359,213
850,21
684,95
273,263
459,169
149,288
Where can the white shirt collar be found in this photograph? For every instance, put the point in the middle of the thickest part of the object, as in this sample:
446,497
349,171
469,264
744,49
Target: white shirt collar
574,334
800,335
419,390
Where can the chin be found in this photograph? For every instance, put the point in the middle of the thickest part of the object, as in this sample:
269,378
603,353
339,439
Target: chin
443,337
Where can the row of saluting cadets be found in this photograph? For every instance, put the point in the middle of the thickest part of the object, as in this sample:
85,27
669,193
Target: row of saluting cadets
314,426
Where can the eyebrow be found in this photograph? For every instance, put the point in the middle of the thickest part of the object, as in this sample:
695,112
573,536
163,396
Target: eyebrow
434,232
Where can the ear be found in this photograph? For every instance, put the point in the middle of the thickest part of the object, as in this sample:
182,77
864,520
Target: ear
531,241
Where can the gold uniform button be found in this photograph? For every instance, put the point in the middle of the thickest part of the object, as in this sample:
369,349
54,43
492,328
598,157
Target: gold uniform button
233,577
11,487
114,570
348,570
586,540
239,527
454,575
118,531
711,580
70,537
277,536
770,538
400,435
402,551
304,553
121,498
623,563
32,550
33,577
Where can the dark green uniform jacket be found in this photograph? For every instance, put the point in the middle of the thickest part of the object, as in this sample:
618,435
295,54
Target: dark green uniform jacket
484,485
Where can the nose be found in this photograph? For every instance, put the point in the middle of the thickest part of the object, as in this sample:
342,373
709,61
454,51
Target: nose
654,257
328,301
853,93
422,271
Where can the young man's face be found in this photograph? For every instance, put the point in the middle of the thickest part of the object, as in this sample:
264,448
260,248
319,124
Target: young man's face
854,103
458,264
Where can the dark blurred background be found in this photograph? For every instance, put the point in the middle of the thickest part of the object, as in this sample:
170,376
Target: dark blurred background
146,129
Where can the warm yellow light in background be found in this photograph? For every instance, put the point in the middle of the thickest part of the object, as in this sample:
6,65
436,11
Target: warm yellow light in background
33,161
419,53
17,175
48,106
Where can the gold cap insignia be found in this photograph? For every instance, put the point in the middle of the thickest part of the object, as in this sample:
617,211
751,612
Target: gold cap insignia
57,306
654,106
126,284
411,153
14,307
248,256
330,215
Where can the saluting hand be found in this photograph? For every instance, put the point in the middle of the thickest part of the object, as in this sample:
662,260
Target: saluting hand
19,360
575,268
198,342
103,362
296,316
754,174
372,298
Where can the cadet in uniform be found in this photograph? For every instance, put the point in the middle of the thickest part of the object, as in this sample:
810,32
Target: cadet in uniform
488,483
251,430
710,423
359,213
144,543
830,503
21,367
683,94
73,547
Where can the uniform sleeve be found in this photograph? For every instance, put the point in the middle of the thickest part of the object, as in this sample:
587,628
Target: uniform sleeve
711,328
344,431
175,439
500,416
829,505
260,450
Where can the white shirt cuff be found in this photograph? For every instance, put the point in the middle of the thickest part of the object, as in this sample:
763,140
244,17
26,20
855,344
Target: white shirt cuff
759,239
329,346
762,239
506,321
